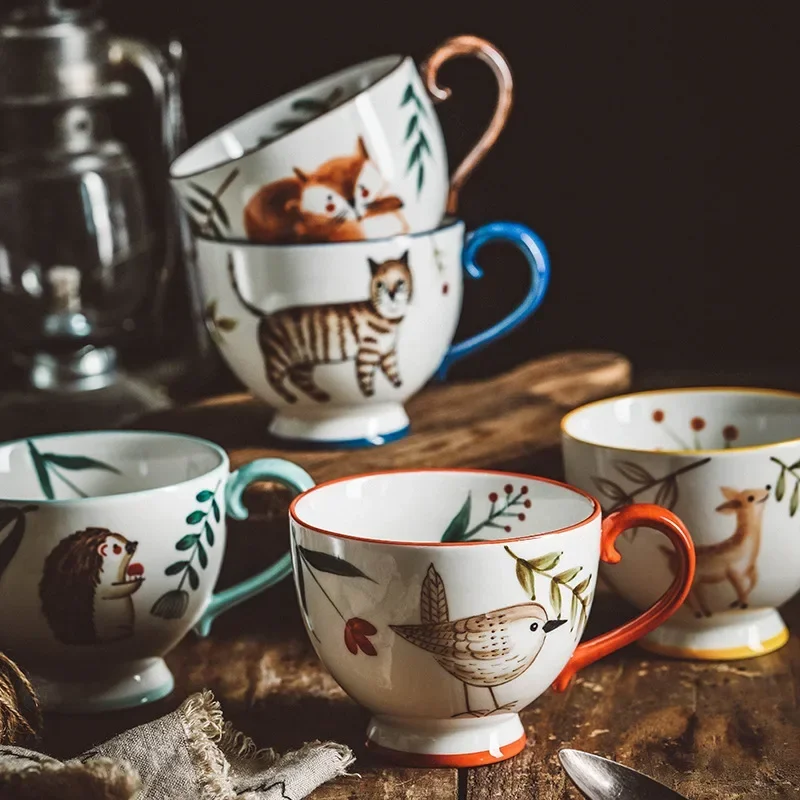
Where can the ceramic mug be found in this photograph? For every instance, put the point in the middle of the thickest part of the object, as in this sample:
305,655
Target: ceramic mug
336,337
356,155
727,460
445,601
110,545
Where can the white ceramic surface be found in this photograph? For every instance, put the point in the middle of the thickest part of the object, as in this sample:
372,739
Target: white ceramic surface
381,153
445,601
727,461
110,545
337,337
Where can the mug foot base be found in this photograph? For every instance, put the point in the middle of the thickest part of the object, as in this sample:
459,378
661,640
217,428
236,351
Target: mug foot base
456,743
125,686
368,426
753,635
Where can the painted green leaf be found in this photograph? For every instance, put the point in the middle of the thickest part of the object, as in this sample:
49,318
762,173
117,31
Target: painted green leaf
423,143
78,462
583,585
412,126
780,487
416,152
195,517
197,206
555,598
310,105
667,494
324,562
793,503
209,534
458,525
567,575
171,605
204,496
215,510
525,578
201,554
573,611
194,580
41,471
187,542
420,106
608,488
201,190
420,177
301,587
211,309
795,465
11,543
174,569
545,562
227,324
408,95
215,230
214,203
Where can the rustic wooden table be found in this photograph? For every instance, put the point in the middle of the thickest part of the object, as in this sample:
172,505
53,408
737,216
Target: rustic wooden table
710,730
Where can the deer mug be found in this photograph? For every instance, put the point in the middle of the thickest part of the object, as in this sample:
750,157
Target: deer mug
355,155
111,543
727,461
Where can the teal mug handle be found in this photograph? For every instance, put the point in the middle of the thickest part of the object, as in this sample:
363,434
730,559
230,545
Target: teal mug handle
263,469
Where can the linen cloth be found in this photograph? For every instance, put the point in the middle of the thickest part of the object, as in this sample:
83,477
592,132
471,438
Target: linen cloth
189,754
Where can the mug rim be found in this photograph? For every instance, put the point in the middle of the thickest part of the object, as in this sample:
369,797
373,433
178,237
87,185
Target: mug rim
595,513
445,224
223,464
398,58
718,451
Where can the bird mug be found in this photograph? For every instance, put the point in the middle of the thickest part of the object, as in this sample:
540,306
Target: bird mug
111,543
447,600
358,154
727,460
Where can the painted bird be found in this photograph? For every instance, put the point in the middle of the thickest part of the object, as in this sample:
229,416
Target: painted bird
485,650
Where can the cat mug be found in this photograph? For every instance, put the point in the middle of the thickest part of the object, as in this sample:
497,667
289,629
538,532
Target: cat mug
336,337
356,155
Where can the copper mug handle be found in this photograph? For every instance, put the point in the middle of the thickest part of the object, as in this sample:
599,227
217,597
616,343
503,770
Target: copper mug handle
471,46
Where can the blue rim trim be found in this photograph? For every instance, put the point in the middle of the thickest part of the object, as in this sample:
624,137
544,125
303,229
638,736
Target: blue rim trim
341,444
446,224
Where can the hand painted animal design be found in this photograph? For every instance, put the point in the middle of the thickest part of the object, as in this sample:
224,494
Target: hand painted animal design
485,650
331,204
734,559
86,587
295,340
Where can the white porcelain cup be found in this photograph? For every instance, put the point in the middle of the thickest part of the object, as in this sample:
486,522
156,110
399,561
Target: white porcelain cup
336,337
356,155
110,546
445,601
727,461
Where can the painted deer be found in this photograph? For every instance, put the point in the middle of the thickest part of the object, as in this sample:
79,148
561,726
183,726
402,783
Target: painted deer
734,559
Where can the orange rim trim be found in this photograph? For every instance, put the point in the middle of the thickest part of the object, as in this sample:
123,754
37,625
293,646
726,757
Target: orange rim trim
596,512
403,758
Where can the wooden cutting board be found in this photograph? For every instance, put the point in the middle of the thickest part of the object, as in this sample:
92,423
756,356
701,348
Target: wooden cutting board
504,421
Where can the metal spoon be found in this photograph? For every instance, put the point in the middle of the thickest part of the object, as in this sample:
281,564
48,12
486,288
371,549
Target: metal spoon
601,779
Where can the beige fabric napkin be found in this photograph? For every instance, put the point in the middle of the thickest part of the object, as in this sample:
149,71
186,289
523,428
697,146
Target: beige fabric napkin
190,754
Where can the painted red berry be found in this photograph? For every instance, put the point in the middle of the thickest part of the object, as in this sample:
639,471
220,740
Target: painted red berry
493,497
524,490
730,433
508,529
508,488
521,517
527,504
658,415
697,423
445,288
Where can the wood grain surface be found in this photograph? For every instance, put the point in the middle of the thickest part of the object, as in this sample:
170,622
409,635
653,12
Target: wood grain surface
711,731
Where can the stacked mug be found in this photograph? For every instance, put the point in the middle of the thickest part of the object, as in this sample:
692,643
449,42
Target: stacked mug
329,255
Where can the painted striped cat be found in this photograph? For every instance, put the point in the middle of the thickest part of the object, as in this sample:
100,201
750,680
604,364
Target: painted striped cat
295,340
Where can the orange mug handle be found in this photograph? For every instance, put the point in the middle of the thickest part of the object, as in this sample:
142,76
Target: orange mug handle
471,46
638,515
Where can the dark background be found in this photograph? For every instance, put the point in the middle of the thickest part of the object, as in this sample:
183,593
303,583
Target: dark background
652,146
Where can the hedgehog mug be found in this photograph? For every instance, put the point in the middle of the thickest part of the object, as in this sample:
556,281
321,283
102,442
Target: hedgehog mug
110,545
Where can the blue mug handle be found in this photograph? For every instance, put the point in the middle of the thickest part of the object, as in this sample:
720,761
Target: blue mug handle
532,247
297,480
